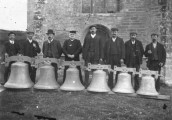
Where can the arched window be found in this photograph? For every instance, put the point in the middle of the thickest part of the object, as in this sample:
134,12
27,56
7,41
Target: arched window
100,6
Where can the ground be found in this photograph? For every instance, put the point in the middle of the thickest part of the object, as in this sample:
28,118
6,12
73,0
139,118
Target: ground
60,105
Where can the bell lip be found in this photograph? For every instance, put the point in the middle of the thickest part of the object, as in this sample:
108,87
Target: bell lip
98,91
72,88
144,94
124,92
17,87
44,87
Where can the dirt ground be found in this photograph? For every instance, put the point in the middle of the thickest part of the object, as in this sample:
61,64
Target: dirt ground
59,105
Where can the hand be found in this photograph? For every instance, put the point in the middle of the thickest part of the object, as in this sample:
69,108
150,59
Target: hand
72,56
6,55
149,51
69,55
161,64
121,61
20,55
34,45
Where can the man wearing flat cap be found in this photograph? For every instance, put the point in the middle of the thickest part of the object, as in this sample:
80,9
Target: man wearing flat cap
12,48
52,48
133,55
31,48
71,49
156,54
92,50
114,53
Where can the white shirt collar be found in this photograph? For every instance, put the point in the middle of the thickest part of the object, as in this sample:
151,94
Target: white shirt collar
30,40
113,39
49,41
154,45
93,35
11,41
133,42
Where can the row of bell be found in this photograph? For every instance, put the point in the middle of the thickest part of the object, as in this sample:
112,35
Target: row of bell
19,78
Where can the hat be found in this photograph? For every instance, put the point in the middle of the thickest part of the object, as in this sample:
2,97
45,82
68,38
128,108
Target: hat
114,29
11,33
133,33
73,31
153,34
50,31
30,32
93,26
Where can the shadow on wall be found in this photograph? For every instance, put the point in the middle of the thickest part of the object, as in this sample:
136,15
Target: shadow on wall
102,30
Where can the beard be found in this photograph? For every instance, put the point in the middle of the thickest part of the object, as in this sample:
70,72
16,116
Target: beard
92,32
133,39
114,35
153,40
49,38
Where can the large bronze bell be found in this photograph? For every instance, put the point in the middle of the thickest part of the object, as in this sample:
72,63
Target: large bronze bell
19,76
72,80
99,82
123,84
46,79
147,86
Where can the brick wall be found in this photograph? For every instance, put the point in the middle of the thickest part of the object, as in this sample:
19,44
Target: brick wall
141,16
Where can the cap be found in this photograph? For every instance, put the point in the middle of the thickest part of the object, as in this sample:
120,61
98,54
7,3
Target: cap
114,29
73,31
11,33
133,33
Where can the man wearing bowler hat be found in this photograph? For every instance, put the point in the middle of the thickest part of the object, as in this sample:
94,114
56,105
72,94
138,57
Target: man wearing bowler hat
31,48
156,54
92,50
114,53
52,48
71,49
12,48
133,55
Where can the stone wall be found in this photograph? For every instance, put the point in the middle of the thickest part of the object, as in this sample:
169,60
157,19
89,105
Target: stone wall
141,16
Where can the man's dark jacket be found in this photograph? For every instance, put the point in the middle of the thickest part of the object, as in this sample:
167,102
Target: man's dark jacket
12,49
29,50
72,48
98,47
160,52
129,51
120,49
55,48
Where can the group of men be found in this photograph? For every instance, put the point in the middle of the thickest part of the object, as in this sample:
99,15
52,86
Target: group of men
95,50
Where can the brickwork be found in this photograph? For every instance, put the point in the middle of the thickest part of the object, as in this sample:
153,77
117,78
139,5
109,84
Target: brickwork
142,16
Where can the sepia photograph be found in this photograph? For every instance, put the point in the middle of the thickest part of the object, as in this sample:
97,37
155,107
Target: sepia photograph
85,59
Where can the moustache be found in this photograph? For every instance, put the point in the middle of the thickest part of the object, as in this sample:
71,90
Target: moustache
153,40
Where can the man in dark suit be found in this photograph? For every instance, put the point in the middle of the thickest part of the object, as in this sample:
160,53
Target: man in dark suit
31,48
156,54
133,55
52,49
92,50
71,49
12,48
114,53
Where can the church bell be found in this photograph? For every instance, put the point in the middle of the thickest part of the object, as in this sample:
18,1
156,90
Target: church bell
147,86
19,76
72,81
99,82
46,78
123,84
